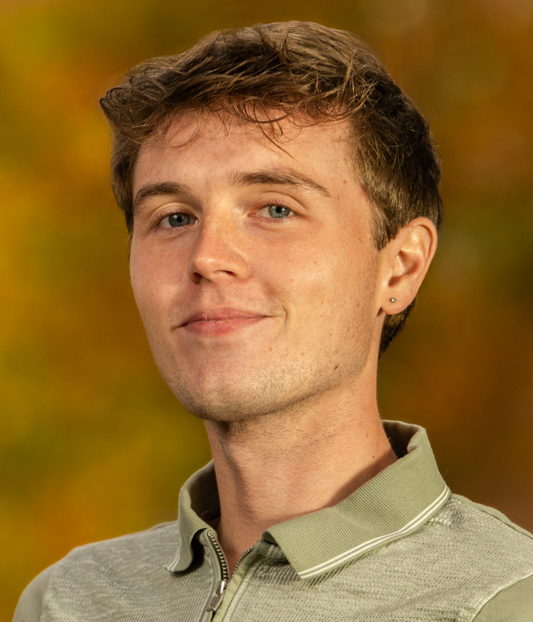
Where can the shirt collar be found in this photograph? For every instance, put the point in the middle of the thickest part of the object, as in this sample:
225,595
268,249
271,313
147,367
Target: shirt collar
390,506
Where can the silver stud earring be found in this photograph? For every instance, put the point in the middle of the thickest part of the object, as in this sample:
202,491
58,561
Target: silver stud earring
393,299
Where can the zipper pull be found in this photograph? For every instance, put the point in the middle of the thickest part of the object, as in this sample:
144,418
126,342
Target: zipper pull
214,603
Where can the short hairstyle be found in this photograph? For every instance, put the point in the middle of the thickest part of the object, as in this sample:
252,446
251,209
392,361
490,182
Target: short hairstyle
296,70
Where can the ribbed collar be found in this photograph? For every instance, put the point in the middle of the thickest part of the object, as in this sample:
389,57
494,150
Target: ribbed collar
390,506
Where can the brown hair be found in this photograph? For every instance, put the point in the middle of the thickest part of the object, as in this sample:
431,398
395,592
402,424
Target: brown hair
288,69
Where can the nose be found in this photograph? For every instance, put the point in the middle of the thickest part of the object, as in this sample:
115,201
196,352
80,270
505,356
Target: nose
219,251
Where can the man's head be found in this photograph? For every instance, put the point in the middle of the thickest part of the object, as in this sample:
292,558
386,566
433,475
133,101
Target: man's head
303,72
255,269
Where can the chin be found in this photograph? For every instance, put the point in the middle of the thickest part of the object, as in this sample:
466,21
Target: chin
247,402
227,403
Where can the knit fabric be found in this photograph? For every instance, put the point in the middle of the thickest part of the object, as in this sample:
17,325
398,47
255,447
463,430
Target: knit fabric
432,557
446,571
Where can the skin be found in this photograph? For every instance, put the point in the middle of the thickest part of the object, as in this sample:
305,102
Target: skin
268,327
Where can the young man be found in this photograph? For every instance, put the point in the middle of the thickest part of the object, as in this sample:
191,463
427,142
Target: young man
281,195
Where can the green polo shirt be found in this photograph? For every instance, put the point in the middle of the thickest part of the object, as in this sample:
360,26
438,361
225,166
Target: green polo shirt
400,548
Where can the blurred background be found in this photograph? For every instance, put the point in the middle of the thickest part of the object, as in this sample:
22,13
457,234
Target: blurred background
92,443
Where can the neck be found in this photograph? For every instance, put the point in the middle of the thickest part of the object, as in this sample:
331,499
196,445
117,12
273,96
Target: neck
280,466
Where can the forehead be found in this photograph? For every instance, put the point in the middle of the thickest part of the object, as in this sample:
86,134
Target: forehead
221,139
273,124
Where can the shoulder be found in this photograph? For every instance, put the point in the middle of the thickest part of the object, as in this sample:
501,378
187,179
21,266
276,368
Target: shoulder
512,604
493,555
472,507
484,528
30,605
87,566
126,554
482,533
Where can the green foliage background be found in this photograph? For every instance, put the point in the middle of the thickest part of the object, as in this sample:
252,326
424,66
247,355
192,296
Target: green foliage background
92,443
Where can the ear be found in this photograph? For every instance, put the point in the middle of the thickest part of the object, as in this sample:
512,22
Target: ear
404,264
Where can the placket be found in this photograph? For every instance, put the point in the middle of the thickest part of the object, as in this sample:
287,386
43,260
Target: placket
227,591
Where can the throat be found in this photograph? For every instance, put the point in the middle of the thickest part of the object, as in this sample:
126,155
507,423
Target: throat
267,479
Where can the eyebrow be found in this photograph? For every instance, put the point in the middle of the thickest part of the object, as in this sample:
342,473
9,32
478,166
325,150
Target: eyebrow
154,190
283,178
276,177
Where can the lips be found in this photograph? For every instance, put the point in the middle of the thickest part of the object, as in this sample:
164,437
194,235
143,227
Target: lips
217,322
224,314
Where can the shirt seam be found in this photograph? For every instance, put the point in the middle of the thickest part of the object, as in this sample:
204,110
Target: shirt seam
499,591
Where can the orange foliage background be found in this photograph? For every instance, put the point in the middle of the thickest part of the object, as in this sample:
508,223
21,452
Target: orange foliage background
92,443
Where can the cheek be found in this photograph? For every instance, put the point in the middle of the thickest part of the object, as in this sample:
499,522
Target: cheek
138,272
334,282
304,277
149,279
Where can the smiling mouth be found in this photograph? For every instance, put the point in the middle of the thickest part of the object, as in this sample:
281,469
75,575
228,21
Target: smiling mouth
220,325
222,319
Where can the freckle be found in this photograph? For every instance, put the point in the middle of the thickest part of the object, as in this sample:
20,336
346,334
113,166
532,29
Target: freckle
336,367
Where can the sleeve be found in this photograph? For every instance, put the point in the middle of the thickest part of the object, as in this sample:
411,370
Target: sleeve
30,606
513,604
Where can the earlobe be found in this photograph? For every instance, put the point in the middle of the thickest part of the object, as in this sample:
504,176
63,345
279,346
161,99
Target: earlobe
407,261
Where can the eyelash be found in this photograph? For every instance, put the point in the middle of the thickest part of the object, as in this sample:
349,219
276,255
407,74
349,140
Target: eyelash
161,217
277,204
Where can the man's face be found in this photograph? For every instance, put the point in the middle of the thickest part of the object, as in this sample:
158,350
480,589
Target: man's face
253,266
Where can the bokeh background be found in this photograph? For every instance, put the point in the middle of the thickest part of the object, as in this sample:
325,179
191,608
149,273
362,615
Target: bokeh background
92,443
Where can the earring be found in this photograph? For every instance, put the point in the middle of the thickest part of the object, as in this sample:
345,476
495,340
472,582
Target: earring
393,299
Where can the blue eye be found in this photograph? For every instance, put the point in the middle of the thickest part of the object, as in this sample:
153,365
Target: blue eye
176,220
278,211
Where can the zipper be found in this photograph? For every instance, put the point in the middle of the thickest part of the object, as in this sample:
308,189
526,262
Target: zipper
243,555
215,601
